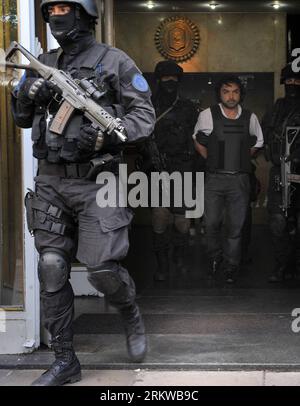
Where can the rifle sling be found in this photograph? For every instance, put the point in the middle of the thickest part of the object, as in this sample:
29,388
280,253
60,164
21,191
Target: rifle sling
167,111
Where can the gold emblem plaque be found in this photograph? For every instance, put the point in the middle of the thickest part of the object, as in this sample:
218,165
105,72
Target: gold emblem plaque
177,38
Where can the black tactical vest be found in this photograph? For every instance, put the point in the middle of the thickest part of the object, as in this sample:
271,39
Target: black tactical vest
46,144
285,113
173,131
229,144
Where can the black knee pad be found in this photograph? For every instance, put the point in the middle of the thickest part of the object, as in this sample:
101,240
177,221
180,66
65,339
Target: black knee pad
106,281
53,271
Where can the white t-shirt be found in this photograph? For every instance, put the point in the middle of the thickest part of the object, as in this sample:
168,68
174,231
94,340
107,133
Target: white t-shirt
205,125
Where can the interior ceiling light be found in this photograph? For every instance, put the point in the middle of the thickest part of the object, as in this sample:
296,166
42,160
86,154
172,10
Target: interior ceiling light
276,5
150,5
213,5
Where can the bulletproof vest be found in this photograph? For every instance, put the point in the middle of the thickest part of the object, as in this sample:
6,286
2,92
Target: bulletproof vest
229,144
85,65
285,112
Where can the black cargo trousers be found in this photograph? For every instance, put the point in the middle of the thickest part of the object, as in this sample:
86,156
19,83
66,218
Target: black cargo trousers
68,223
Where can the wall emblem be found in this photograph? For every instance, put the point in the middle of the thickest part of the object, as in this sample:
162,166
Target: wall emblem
177,38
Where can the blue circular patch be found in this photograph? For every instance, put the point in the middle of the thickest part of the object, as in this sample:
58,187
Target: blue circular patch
140,83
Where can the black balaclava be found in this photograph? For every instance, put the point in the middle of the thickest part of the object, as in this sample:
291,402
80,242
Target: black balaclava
292,91
71,29
167,93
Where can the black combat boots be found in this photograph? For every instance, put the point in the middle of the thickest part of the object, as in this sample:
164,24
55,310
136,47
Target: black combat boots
230,273
135,332
66,367
278,273
162,271
214,265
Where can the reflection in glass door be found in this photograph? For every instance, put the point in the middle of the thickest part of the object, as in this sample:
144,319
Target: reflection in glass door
11,205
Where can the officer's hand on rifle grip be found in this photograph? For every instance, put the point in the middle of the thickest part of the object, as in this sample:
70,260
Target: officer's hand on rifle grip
39,90
87,138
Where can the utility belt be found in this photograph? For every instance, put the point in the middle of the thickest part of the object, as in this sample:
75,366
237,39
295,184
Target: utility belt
87,171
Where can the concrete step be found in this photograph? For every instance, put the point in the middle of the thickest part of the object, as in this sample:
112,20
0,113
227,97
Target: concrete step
143,377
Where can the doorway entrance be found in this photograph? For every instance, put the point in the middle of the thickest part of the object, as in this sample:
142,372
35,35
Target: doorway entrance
191,320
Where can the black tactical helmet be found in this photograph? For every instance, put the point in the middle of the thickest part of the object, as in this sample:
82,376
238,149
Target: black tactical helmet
89,6
168,68
288,73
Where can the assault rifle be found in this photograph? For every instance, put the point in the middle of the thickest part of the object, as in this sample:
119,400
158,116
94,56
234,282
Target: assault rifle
292,135
74,95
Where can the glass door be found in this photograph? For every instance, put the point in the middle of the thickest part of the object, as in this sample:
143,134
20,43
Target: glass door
11,205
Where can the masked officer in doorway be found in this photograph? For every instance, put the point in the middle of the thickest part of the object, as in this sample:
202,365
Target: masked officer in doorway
285,230
63,213
172,151
227,135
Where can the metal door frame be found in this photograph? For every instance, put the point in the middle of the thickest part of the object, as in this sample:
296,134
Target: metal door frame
23,327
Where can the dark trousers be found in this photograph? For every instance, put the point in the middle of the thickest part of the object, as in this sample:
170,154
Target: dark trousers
285,231
247,232
226,195
162,221
99,242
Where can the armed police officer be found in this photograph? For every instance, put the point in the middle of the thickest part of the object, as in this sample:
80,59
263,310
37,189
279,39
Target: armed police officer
285,227
63,213
227,135
176,118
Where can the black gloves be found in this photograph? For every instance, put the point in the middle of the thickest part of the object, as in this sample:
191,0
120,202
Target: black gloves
90,139
112,140
38,90
87,138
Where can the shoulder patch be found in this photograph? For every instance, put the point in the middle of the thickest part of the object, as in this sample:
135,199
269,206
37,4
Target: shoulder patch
140,83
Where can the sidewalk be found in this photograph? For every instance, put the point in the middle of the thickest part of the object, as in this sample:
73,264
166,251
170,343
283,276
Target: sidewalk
165,378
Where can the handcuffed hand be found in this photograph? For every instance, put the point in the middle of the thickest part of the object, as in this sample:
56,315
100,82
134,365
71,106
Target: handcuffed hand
39,90
87,138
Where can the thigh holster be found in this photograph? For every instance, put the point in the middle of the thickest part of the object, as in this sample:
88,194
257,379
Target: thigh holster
42,215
